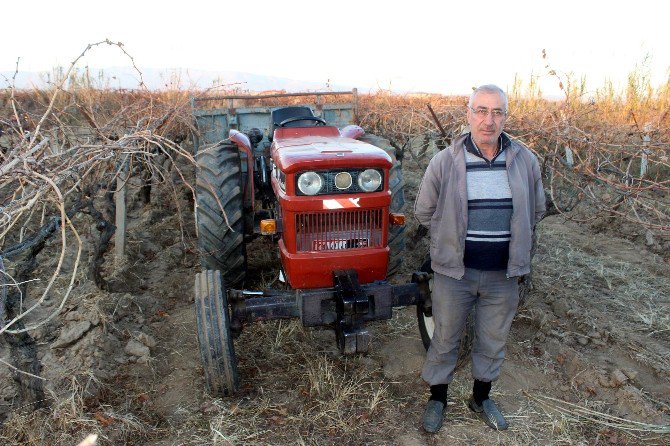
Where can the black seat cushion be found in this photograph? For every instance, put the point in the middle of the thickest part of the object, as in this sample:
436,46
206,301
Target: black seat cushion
279,115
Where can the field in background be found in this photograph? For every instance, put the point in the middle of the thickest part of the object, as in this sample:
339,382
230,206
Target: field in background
588,357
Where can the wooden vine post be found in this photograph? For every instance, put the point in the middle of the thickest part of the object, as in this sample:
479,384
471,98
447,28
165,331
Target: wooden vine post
120,202
646,141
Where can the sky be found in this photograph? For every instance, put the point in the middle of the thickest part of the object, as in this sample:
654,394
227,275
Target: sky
410,45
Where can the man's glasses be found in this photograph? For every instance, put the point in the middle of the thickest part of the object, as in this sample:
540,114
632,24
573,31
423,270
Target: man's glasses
482,112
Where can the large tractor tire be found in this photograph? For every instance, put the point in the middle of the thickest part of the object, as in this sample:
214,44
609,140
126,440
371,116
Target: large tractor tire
220,213
397,187
427,325
214,336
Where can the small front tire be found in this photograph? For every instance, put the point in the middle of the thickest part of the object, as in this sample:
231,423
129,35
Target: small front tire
214,336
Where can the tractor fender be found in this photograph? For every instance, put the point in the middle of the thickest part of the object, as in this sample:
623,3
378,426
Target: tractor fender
352,131
243,143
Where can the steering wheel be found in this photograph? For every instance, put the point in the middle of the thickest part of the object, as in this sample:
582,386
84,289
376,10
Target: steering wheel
302,118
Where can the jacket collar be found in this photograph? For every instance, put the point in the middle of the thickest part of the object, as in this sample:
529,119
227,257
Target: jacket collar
503,143
464,142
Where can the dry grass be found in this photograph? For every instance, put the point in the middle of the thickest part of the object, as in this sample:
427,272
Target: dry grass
609,279
580,412
67,417
303,391
616,283
605,282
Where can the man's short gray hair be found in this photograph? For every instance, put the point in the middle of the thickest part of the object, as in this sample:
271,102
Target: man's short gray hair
488,88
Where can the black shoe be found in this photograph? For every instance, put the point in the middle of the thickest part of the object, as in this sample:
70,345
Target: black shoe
489,412
433,416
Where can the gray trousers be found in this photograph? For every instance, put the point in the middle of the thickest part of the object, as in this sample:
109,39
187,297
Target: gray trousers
495,299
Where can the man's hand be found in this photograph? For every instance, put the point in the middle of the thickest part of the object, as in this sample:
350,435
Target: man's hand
415,238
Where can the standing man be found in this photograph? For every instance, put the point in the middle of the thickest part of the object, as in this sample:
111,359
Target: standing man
481,199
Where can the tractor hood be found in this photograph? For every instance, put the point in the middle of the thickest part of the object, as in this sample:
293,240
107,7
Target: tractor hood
316,148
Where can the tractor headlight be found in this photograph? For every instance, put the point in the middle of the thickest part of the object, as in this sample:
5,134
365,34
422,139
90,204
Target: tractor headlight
369,180
310,183
343,180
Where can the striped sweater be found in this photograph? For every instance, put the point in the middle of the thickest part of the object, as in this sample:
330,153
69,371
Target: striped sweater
489,209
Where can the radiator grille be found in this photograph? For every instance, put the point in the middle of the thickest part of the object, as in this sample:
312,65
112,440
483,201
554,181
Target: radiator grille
337,230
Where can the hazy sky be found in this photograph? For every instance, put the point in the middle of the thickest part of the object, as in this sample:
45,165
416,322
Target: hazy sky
416,45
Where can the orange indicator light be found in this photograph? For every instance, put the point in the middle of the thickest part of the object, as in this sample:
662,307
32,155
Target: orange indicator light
268,227
397,219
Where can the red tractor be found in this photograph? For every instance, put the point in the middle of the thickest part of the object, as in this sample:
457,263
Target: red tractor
329,194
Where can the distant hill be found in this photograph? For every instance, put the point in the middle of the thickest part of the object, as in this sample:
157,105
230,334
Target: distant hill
157,79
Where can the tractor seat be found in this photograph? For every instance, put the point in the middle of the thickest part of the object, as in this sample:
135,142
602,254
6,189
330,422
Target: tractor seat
279,115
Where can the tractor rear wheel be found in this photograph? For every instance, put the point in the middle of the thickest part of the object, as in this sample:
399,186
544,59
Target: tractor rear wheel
220,213
427,325
397,186
214,336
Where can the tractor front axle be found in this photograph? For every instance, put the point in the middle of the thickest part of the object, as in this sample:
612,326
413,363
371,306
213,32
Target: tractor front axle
347,306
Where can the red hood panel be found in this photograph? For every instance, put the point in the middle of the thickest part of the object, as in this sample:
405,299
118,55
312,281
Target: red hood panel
298,149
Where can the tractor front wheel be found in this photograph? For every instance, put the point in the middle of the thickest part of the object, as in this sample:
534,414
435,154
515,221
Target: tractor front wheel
214,336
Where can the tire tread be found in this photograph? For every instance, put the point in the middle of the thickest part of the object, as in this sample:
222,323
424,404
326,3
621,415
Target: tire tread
215,339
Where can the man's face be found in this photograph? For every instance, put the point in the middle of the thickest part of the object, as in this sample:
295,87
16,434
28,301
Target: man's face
487,118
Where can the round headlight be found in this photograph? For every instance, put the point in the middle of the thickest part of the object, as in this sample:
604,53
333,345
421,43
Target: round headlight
343,180
310,183
369,180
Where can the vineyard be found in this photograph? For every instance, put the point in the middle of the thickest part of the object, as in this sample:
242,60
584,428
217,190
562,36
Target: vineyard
94,342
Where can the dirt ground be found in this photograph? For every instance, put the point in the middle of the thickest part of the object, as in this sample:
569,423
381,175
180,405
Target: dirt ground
588,359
